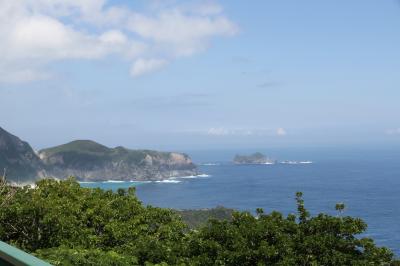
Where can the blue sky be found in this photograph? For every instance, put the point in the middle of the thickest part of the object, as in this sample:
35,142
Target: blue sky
201,74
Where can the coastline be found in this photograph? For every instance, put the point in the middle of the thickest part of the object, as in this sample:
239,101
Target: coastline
172,180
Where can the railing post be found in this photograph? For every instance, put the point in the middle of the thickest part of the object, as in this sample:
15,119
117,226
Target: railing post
11,256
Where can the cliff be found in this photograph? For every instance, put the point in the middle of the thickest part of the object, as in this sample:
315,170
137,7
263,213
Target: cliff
91,161
18,160
88,161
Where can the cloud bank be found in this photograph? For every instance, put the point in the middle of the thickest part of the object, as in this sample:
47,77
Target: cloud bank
281,132
35,33
222,131
394,131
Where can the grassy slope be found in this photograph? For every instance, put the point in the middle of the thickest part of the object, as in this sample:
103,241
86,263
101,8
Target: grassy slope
84,152
79,146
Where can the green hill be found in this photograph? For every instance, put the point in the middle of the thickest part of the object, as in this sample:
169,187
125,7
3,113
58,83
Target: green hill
91,161
84,146
88,161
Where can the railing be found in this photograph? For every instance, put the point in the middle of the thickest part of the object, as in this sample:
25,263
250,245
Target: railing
11,256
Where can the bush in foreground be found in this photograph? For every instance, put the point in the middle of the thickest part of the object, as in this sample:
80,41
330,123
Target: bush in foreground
65,224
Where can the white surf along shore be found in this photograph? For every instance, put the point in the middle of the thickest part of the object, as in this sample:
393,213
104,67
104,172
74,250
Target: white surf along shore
171,180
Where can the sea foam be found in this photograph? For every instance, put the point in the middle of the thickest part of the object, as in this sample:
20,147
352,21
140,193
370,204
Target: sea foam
190,176
170,181
296,162
203,175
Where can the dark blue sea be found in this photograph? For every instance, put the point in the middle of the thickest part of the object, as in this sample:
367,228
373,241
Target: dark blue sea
366,180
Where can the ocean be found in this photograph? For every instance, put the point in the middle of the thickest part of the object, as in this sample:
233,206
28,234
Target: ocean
367,181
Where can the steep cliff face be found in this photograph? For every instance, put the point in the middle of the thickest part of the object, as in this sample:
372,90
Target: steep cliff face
90,161
18,159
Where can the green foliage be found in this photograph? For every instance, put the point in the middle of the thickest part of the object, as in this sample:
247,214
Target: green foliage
87,154
63,214
65,256
271,239
85,146
196,218
66,224
340,207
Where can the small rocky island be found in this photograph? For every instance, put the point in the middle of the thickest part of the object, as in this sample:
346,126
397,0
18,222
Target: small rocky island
89,161
255,158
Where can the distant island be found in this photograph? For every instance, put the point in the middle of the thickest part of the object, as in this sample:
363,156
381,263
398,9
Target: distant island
89,161
255,158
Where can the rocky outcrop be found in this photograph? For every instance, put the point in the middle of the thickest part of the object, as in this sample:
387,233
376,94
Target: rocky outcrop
90,161
18,160
256,158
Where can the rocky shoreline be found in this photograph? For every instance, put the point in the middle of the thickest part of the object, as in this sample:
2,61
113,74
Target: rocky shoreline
89,161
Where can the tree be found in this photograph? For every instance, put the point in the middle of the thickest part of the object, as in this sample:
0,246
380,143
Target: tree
271,239
65,224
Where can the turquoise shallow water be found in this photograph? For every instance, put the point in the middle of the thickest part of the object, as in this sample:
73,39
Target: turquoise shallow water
368,182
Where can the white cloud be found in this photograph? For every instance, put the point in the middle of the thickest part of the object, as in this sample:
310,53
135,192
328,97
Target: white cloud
115,37
208,9
395,131
144,66
35,33
281,132
222,131
46,39
219,131
179,33
22,75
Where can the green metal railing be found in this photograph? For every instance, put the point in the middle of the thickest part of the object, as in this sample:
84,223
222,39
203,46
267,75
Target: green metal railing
11,256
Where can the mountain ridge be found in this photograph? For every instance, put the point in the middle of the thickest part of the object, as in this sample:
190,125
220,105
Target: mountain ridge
91,161
88,160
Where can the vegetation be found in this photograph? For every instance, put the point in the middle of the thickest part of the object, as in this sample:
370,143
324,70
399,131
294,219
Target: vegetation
197,218
90,161
93,149
65,224
85,146
89,153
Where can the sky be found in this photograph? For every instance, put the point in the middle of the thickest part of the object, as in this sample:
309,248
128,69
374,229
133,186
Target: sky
185,75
